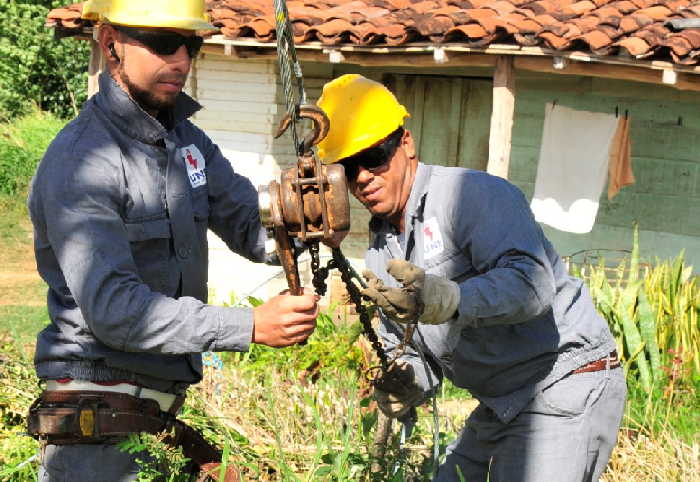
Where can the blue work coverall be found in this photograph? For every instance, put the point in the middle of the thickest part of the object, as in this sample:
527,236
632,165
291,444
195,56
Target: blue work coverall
523,325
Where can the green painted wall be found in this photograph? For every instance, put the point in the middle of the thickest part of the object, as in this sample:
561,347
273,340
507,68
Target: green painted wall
665,136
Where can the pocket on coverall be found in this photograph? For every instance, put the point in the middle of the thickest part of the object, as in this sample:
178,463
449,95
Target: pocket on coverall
571,395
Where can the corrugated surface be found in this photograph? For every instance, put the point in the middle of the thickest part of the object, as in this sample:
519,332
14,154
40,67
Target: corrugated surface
627,27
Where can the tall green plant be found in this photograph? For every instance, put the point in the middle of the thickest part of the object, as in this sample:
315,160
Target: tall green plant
652,312
675,299
36,69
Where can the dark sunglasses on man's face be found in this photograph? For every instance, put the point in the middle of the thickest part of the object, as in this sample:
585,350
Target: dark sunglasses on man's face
373,157
163,42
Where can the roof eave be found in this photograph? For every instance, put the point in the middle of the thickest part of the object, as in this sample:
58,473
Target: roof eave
421,55
443,51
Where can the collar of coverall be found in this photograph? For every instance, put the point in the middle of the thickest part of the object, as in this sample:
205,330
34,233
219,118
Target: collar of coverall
132,119
414,205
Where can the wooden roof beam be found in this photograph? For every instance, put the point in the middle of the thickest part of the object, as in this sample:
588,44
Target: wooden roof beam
648,72
684,81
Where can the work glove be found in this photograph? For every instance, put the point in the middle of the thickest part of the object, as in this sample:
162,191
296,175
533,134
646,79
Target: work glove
432,299
396,390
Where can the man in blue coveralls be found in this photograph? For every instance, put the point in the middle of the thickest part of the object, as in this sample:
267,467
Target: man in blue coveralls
121,204
498,313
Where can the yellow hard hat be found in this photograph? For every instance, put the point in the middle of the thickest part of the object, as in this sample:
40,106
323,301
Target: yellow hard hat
362,112
184,14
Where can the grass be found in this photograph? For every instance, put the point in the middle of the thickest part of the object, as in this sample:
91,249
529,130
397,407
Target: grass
302,413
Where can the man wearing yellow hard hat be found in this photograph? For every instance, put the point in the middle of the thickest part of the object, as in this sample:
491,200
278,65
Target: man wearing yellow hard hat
459,250
121,204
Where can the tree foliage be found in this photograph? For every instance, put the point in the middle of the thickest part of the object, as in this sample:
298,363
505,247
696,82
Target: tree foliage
35,68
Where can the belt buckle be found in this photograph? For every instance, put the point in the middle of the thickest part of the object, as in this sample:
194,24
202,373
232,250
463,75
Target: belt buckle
88,406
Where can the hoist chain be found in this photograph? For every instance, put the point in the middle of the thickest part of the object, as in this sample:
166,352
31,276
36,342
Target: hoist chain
347,274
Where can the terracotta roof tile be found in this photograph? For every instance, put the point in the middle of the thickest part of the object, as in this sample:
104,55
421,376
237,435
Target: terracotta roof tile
502,7
430,25
634,27
680,45
586,24
624,6
676,5
652,34
634,45
628,25
547,20
597,39
582,7
470,31
658,12
692,36
555,41
641,19
541,7
526,25
644,3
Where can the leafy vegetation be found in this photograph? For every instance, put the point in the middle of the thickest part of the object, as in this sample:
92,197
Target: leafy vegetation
37,69
653,313
19,388
22,144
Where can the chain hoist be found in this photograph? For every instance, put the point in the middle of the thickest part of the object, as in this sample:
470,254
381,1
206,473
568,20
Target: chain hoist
310,200
311,203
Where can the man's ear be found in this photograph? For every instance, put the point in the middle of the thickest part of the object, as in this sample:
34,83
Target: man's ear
107,37
408,145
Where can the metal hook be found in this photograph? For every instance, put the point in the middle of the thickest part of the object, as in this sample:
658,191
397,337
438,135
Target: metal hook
321,125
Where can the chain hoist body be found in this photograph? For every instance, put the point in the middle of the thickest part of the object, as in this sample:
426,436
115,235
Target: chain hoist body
310,203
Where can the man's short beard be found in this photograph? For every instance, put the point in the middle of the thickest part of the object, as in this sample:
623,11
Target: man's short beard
144,98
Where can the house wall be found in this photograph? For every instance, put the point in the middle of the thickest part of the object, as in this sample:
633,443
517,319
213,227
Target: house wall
239,102
243,103
665,128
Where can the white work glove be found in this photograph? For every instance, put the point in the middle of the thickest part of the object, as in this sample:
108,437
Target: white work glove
396,391
437,296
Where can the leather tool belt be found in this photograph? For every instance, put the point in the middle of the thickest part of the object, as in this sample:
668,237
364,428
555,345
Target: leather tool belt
611,361
93,417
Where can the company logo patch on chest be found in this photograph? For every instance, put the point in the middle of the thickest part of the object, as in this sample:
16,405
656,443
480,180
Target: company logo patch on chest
432,239
195,163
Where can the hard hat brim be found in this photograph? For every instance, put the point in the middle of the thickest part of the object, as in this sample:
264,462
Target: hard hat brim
186,24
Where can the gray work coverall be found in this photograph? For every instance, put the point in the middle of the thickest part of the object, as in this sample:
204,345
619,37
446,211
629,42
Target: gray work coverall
121,204
522,326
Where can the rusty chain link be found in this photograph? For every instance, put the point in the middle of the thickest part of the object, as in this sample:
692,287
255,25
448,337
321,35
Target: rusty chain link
347,274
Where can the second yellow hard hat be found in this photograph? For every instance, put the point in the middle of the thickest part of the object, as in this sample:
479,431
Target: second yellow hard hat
184,14
362,112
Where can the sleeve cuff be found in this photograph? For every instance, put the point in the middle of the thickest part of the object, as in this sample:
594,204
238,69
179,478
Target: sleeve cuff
235,329
466,311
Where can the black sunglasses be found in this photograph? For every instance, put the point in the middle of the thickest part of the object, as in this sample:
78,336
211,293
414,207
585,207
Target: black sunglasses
163,42
373,157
